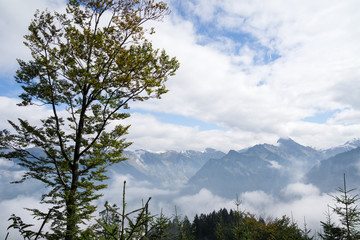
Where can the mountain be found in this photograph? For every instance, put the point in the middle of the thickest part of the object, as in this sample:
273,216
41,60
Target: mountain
349,145
295,151
263,167
328,174
168,168
239,172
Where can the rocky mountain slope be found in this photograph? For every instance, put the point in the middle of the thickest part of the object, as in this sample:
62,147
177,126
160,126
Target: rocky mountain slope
327,175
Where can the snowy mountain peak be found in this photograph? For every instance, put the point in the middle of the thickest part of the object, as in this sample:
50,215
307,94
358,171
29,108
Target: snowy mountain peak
354,143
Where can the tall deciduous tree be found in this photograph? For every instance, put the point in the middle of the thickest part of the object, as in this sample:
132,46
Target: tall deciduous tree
87,66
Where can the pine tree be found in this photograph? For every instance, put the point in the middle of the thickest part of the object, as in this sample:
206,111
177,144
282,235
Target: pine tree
330,230
346,209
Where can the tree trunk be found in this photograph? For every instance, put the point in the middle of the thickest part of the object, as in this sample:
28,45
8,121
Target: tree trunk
71,215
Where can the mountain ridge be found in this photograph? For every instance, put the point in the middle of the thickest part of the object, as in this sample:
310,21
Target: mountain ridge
262,167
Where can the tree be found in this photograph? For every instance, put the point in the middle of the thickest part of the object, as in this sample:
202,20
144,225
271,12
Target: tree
348,212
330,230
160,228
306,232
87,66
120,225
185,230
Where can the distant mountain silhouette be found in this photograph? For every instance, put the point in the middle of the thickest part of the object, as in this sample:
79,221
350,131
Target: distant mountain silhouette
264,167
328,174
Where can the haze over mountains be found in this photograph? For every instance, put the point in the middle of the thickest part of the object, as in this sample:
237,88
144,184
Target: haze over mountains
263,167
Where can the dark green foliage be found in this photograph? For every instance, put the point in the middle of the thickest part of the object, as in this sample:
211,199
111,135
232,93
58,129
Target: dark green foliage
330,230
258,229
87,66
185,230
228,226
236,225
160,228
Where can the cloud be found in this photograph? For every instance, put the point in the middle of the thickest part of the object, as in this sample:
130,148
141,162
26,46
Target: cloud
315,69
17,206
202,202
275,165
165,136
256,200
137,193
6,163
135,189
346,117
255,69
15,18
300,189
305,202
10,111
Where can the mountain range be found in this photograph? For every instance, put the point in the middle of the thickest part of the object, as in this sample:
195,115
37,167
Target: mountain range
263,167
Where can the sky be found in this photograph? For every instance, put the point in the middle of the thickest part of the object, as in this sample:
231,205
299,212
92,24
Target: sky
250,72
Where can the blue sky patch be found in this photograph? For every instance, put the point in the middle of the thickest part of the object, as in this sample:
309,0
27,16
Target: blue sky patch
9,88
320,117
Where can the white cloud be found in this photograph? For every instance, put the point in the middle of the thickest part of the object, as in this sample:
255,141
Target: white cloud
17,206
256,200
345,117
10,111
220,83
6,163
310,207
165,136
308,203
135,189
316,69
137,193
15,18
300,189
205,9
275,164
202,202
